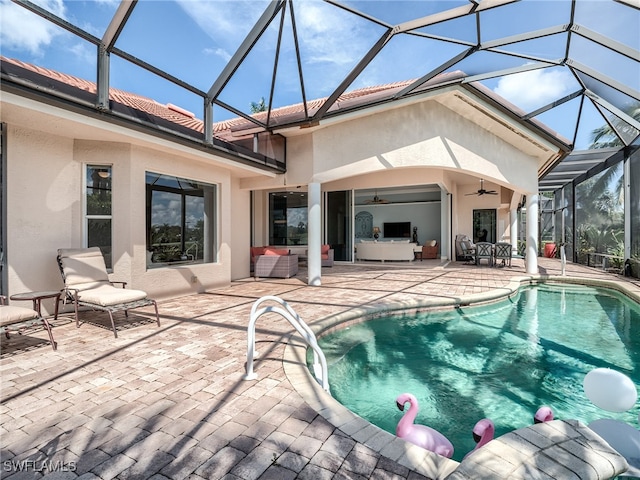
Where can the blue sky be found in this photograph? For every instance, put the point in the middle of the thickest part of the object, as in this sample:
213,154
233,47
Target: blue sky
194,39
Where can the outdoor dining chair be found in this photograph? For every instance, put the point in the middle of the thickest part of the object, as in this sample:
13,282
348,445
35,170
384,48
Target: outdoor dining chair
484,251
87,284
503,252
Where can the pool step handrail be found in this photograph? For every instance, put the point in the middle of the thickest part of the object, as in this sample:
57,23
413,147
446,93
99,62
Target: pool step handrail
320,370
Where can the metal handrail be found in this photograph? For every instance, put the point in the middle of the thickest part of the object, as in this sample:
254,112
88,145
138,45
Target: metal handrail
320,370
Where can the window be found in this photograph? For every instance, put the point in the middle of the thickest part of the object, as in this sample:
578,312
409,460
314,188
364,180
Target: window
288,218
180,221
98,209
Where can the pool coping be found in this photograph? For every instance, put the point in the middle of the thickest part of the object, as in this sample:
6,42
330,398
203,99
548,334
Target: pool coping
411,456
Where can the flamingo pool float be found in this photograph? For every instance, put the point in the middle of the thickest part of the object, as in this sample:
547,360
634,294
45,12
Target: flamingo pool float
421,435
482,434
544,414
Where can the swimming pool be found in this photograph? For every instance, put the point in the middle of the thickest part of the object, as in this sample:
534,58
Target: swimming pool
500,361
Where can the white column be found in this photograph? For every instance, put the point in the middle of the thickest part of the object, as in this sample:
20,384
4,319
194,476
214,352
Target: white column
445,225
513,236
532,234
627,208
314,237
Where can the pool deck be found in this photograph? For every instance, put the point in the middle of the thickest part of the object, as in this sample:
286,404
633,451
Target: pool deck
170,402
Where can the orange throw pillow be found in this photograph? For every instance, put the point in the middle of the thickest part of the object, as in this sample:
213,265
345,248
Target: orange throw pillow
276,251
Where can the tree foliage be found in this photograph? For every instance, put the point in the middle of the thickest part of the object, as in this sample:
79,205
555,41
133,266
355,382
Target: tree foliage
600,199
259,106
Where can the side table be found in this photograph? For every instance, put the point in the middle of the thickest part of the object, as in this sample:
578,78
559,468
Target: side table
37,297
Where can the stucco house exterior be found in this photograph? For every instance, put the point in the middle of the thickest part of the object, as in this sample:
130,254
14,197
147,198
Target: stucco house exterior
58,158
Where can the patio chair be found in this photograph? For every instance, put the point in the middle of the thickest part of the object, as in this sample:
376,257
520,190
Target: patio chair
326,256
87,284
465,249
484,251
18,318
429,250
503,252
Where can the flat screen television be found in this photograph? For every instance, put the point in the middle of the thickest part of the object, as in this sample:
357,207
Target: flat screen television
396,229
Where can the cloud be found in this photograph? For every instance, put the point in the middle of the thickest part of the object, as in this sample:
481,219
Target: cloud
23,30
218,52
328,35
85,52
532,89
332,41
110,3
226,22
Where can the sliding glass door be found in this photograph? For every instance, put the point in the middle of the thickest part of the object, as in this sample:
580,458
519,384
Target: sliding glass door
338,224
484,225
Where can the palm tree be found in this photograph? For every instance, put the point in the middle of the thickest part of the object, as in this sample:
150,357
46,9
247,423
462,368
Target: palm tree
259,106
600,198
606,137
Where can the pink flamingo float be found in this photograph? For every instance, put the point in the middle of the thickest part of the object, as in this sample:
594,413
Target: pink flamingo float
544,414
483,432
421,435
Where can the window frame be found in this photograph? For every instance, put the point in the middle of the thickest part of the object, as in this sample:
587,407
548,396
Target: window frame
87,217
210,215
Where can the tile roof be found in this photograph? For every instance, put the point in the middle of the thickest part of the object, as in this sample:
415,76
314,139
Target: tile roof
234,129
222,129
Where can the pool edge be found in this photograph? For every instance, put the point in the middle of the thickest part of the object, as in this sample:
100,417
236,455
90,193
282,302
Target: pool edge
415,458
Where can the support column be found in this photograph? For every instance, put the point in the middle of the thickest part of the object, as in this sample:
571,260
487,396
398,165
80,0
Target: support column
532,234
627,207
314,237
445,225
513,229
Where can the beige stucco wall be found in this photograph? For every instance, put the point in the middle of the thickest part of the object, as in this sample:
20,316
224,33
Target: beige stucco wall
419,135
430,140
176,280
42,200
415,144
426,133
44,213
238,219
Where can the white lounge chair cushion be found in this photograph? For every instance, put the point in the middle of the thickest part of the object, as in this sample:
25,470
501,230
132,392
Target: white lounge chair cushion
108,295
10,314
83,268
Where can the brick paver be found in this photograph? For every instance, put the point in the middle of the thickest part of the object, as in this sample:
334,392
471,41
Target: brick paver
170,402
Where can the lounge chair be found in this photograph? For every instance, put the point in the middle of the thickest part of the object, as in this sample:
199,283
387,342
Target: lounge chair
465,249
87,284
18,318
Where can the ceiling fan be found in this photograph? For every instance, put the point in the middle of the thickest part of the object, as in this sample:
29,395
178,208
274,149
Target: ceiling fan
376,199
482,191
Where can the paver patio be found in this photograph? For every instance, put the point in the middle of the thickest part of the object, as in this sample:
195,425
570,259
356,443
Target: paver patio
169,402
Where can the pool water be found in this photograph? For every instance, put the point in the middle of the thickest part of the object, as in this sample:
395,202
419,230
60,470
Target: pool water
500,361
